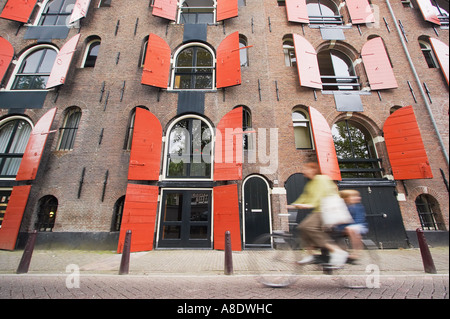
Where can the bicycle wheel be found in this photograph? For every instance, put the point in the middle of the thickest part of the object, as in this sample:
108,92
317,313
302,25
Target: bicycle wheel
272,260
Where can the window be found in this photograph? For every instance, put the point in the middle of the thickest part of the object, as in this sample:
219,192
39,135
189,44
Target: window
91,54
429,213
68,131
130,129
336,71
14,135
289,51
428,53
34,69
5,195
118,213
104,3
302,130
197,12
189,149
323,12
194,68
355,150
248,139
56,12
243,52
441,10
48,205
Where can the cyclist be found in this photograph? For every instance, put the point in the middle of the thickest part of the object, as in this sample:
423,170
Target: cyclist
311,229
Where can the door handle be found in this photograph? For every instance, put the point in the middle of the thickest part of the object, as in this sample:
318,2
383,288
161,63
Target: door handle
259,210
383,215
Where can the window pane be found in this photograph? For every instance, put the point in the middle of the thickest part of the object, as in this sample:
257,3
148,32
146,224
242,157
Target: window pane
171,232
198,232
173,208
48,61
31,63
199,207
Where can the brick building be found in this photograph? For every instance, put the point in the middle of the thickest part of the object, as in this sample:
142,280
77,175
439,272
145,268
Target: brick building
180,120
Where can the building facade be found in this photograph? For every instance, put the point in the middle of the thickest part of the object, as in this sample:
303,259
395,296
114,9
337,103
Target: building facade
181,120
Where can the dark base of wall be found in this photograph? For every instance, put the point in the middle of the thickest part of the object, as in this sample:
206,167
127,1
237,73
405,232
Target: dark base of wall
80,241
434,238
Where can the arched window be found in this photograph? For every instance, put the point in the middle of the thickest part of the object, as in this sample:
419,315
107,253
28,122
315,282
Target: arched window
91,53
429,212
68,131
56,12
189,149
248,139
130,129
323,12
302,130
14,135
243,52
48,206
336,71
427,52
34,68
118,213
289,51
194,68
355,150
197,11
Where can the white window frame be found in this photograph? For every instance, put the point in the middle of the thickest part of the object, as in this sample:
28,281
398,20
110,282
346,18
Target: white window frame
180,7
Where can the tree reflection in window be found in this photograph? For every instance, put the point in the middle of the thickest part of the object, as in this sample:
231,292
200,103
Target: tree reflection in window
194,69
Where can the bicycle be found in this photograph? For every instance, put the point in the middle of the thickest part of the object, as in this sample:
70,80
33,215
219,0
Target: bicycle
281,268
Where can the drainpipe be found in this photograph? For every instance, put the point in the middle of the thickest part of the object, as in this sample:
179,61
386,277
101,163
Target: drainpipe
416,76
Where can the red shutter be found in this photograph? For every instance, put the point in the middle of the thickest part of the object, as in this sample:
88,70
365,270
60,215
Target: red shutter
377,65
307,64
360,11
441,52
428,11
297,11
62,63
18,10
145,156
227,9
228,62
228,148
226,217
324,143
139,216
13,216
166,9
35,147
6,56
80,10
157,63
405,146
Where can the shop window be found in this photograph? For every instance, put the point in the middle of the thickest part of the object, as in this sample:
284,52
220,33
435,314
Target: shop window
302,129
14,135
48,206
197,12
194,68
428,53
56,12
289,51
323,12
189,149
68,131
355,150
34,69
91,53
336,71
429,213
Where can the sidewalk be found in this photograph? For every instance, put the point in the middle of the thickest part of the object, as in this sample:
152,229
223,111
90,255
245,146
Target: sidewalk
192,262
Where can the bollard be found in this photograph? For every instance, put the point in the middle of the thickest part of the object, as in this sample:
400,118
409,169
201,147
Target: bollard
125,261
24,264
427,259
228,254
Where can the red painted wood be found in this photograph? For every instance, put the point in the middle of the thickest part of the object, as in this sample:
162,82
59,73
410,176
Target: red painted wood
405,147
6,56
166,9
307,64
139,216
62,63
228,66
377,65
441,52
227,9
157,63
145,155
35,147
13,217
324,144
80,10
297,11
18,10
360,11
228,148
226,217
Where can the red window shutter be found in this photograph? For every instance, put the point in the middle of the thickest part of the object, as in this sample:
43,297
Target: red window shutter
80,10
360,11
227,9
428,12
6,56
405,147
62,63
307,64
145,156
226,217
35,147
228,148
441,52
18,10
13,216
324,143
377,65
166,9
297,11
228,62
139,216
157,63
